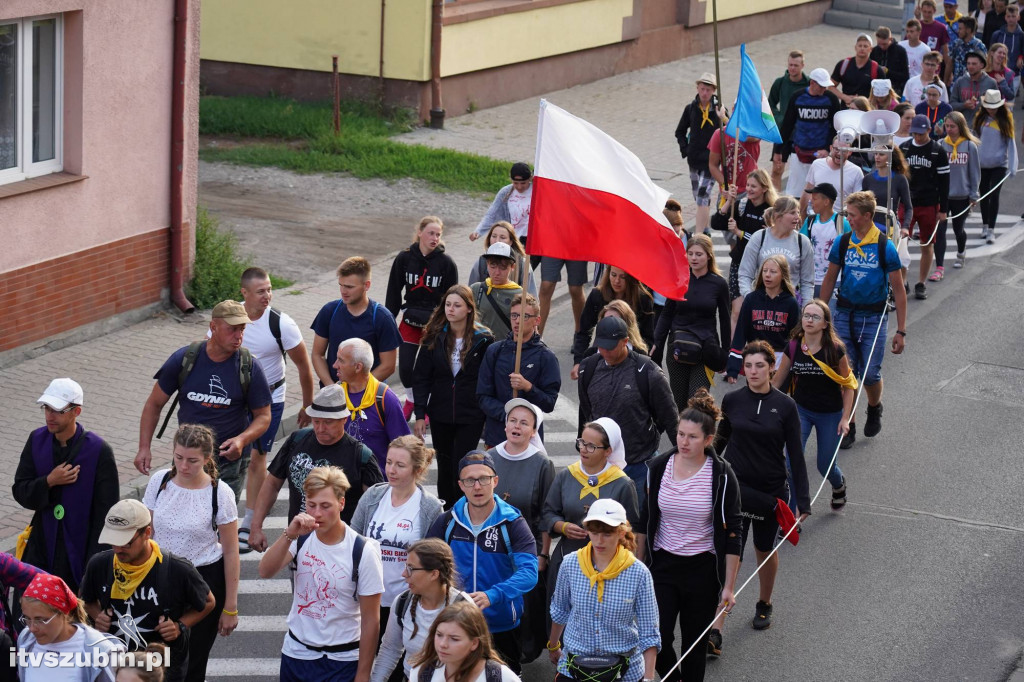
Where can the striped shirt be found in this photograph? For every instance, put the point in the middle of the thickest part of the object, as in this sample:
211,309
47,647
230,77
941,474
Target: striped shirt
686,507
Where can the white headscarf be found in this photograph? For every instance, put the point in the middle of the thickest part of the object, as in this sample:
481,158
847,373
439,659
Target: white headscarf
618,455
536,444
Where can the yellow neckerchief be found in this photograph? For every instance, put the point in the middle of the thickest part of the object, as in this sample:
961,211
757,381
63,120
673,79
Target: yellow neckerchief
870,238
848,381
622,560
369,395
954,154
705,115
607,476
127,577
490,285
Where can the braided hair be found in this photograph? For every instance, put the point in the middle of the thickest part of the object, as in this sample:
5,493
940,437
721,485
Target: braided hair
195,436
434,555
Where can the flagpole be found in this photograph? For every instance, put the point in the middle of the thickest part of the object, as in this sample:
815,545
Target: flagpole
718,78
522,311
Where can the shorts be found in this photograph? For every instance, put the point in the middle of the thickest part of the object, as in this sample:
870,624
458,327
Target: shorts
734,281
551,270
702,183
856,328
266,441
765,533
927,218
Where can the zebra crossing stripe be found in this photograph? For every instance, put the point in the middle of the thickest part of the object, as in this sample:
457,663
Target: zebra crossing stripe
239,667
265,586
263,624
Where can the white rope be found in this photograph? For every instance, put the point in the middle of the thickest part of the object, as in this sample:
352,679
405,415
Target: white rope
969,207
702,637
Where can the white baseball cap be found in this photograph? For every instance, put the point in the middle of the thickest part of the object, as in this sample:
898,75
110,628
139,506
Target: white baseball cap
61,393
607,511
499,250
821,77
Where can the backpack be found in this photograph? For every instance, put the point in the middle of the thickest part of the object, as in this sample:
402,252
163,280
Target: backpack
846,63
213,486
275,329
404,601
883,240
188,363
358,542
492,672
809,221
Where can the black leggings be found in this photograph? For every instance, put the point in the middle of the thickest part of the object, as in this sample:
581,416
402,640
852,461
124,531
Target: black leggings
204,633
406,364
990,204
955,206
452,442
687,590
685,380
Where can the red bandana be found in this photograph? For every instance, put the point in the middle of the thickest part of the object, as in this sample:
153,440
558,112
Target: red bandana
53,591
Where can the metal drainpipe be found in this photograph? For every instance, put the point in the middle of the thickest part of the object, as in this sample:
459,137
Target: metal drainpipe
436,110
178,297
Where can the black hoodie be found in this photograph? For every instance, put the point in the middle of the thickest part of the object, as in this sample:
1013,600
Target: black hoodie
424,279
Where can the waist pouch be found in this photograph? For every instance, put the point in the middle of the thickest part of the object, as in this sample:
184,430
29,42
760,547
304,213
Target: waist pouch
597,667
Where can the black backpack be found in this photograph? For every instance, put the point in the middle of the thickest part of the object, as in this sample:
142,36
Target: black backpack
492,672
188,363
358,542
404,601
213,487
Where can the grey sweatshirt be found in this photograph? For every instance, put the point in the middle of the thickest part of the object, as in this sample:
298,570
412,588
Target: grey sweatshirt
963,89
995,151
796,248
964,168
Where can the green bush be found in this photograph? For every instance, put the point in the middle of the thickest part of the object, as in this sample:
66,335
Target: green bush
218,265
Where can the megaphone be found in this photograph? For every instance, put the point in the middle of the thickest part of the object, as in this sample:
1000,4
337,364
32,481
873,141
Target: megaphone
847,124
881,126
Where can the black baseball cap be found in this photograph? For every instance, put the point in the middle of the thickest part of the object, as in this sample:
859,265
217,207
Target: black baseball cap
610,331
825,189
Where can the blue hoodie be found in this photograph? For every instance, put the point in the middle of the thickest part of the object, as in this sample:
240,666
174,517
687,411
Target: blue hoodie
499,560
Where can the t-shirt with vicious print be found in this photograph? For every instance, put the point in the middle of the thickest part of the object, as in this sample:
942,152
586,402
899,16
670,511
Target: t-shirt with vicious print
302,452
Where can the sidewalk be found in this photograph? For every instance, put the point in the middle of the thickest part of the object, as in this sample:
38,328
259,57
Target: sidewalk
640,109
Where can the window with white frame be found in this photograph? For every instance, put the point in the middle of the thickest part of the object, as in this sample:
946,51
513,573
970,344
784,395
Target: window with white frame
31,89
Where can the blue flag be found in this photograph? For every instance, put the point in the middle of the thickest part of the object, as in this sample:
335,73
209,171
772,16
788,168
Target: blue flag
752,116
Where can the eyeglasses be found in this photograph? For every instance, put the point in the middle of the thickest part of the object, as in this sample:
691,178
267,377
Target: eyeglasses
516,316
811,317
38,622
49,410
584,446
473,482
413,569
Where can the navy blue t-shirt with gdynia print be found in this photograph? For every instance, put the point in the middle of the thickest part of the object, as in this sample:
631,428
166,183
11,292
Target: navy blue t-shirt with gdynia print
212,393
863,282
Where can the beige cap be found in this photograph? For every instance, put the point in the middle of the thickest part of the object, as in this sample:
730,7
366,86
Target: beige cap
122,522
231,312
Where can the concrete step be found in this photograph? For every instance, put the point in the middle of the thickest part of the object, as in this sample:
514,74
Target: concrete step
874,8
856,20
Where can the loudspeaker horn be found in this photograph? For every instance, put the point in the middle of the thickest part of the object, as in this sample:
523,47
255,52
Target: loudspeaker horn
878,122
847,124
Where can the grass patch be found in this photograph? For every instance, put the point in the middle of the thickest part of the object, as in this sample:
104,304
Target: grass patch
218,266
362,149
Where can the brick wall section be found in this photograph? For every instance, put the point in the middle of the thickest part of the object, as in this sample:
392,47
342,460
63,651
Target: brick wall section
57,295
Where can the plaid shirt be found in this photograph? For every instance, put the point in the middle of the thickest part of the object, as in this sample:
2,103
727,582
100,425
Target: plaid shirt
625,621
13,573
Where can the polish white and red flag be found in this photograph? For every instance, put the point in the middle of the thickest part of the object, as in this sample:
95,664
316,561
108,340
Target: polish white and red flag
594,201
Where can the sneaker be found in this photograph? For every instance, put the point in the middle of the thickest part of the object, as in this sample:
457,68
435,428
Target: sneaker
243,541
762,616
906,285
874,422
990,238
715,643
984,232
850,438
839,497
937,275
919,291
961,258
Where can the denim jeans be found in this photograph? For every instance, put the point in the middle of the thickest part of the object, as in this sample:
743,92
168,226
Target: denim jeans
638,473
857,330
826,424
